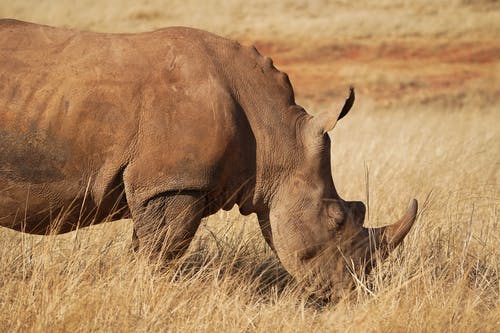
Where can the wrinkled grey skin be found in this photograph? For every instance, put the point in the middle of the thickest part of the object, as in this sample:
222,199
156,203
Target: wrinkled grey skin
169,127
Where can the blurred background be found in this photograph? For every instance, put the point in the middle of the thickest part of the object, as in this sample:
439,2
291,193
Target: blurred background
444,53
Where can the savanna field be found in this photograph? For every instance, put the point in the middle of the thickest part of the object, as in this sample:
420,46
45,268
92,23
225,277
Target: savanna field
425,124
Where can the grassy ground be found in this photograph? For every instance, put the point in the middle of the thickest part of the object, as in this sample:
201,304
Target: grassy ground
425,125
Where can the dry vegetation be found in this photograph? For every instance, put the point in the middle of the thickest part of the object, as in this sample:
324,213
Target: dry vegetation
426,124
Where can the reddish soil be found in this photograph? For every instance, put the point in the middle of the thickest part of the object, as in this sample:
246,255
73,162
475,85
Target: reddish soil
388,71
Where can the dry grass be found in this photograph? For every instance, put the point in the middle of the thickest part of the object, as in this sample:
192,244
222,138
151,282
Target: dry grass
446,277
445,150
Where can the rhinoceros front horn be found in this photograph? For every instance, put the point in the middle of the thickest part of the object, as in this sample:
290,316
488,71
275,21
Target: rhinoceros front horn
391,236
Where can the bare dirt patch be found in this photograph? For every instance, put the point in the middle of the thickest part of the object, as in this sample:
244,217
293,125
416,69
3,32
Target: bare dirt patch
417,70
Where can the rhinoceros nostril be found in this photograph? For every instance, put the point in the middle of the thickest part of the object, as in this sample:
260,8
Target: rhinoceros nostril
357,207
357,211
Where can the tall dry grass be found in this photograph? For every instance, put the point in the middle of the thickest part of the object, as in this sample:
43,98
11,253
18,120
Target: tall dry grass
444,278
444,152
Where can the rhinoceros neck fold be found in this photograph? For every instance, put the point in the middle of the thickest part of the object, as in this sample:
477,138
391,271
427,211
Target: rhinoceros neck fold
267,99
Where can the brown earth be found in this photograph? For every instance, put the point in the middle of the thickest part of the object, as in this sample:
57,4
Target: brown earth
419,70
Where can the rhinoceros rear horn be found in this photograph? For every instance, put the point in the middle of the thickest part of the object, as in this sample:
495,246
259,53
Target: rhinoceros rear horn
326,122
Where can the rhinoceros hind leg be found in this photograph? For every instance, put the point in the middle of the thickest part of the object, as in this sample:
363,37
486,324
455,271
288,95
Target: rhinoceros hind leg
166,225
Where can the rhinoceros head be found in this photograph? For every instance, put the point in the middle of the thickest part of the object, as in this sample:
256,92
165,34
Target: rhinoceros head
319,237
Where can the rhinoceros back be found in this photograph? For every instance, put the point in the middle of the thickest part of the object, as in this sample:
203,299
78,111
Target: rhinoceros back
67,103
82,111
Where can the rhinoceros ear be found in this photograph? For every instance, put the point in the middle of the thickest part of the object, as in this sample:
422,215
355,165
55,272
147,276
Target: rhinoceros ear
327,121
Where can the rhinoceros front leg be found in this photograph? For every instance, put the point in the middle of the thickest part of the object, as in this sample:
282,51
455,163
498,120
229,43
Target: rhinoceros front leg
135,241
165,226
265,228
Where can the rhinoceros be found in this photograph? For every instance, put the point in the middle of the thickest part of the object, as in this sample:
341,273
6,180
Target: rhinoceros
168,127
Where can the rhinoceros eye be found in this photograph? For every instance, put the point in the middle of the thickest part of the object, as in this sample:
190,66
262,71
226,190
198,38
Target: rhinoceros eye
335,216
335,224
